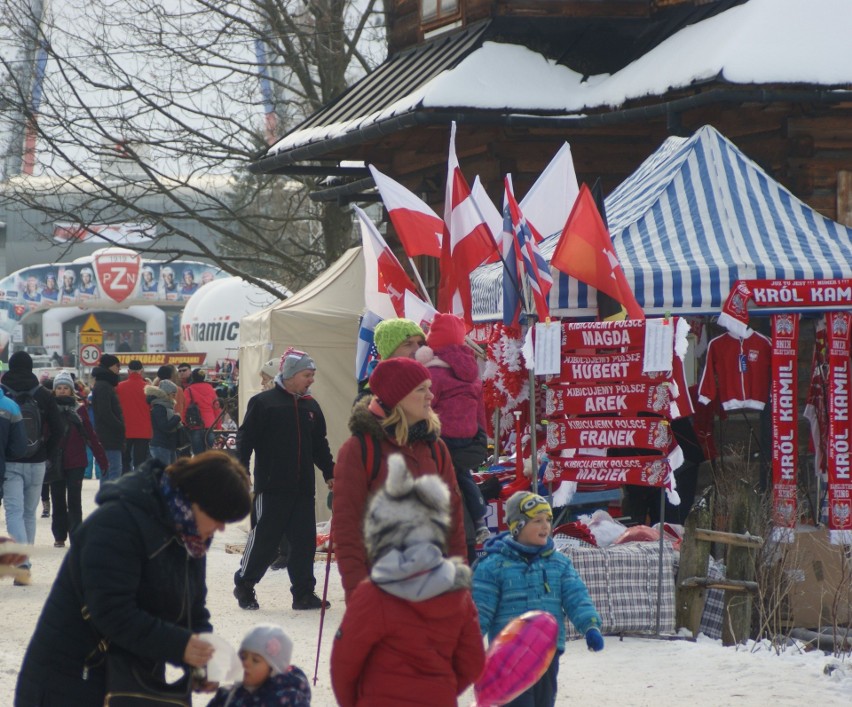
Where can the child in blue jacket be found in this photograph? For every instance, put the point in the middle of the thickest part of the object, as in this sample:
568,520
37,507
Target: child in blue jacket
521,571
268,678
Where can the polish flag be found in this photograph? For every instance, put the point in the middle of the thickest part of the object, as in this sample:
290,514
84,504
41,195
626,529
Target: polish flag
385,280
468,242
419,228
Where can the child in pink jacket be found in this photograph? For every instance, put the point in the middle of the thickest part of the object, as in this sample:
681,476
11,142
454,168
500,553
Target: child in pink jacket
460,406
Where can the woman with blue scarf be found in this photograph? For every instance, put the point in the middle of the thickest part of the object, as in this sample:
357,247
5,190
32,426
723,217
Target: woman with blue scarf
137,565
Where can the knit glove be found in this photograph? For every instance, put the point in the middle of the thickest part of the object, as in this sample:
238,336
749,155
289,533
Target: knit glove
594,640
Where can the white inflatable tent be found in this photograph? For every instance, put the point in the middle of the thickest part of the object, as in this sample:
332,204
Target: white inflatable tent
321,319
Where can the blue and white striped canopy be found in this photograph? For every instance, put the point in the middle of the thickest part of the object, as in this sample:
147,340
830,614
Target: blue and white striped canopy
695,217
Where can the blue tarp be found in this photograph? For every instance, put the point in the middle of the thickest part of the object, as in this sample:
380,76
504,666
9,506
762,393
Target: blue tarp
695,217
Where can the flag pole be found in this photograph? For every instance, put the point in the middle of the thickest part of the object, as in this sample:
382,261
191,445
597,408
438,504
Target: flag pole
420,281
533,441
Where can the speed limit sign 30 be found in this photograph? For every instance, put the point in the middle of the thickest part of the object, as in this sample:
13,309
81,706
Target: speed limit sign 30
89,355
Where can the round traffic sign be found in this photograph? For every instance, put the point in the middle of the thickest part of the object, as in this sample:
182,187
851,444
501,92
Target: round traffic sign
90,355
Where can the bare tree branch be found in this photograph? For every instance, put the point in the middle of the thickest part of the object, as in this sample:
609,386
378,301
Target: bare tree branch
152,109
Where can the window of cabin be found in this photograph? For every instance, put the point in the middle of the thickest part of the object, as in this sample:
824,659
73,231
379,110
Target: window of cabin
434,12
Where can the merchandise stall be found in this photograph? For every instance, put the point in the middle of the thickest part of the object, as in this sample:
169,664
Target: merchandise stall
695,219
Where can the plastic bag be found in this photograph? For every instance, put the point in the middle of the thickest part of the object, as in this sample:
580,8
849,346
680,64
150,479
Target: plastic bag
323,534
605,529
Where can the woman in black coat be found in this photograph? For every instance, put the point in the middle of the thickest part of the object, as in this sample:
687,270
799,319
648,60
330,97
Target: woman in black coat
132,564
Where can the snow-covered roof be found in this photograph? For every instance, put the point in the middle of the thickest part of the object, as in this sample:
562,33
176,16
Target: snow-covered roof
761,42
694,218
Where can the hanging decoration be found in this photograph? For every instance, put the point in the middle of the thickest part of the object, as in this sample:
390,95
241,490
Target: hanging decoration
785,422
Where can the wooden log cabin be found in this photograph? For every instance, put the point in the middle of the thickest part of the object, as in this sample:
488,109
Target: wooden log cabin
801,133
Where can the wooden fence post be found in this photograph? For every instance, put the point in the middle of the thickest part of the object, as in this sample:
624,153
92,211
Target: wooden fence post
744,518
694,557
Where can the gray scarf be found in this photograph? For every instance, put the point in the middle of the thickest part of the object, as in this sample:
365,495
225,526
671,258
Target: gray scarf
418,573
166,403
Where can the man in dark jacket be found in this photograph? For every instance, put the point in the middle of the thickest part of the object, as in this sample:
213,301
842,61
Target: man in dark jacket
13,436
25,475
286,430
106,409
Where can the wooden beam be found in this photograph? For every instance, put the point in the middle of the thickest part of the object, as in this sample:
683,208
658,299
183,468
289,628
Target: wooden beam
717,536
730,585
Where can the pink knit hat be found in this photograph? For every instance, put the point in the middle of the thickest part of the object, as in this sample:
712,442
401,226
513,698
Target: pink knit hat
446,329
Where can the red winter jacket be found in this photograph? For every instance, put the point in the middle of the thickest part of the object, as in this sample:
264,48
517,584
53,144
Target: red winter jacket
134,407
390,652
203,395
352,486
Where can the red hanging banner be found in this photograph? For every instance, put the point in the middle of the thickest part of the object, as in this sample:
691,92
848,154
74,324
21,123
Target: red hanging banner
636,471
598,432
629,333
789,294
606,368
626,398
785,419
839,480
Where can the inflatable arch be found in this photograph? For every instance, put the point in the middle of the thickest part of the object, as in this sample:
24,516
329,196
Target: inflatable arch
111,278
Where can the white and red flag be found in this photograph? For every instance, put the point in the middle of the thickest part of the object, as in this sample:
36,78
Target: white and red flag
467,244
549,201
385,280
419,228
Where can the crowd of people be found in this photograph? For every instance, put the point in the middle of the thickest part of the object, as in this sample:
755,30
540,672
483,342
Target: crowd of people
406,515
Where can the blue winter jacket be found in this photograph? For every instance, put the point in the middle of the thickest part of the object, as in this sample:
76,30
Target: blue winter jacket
13,434
512,579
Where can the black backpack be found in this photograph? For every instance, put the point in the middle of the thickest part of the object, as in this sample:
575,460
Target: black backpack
32,418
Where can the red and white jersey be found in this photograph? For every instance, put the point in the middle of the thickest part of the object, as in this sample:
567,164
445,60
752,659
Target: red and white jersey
737,372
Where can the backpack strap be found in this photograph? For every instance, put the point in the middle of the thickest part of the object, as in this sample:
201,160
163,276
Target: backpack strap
372,461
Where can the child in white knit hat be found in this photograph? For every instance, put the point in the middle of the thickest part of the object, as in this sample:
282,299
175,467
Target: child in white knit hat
268,678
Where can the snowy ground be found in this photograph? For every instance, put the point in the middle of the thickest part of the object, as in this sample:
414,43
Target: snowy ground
634,672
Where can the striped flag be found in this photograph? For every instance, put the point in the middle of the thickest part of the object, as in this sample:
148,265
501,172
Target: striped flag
511,282
535,267
365,352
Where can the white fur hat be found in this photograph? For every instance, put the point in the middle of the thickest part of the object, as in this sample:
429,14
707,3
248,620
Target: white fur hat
407,511
270,642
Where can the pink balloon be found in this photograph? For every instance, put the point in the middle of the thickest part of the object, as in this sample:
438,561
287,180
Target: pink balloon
517,658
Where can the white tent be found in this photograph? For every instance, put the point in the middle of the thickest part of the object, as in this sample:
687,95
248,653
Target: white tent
321,319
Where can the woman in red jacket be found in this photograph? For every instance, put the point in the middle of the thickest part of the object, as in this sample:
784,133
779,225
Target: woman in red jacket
410,635
200,393
398,417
